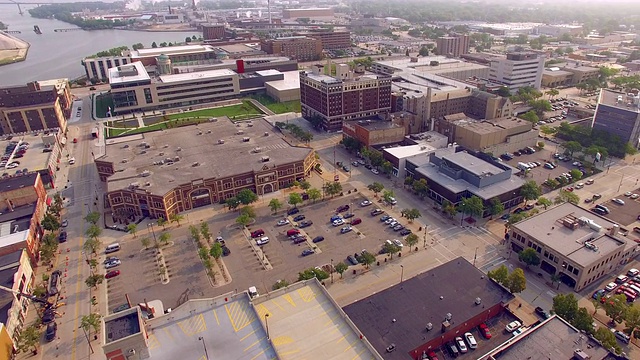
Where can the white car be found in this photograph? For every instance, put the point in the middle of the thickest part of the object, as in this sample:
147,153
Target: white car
634,196
366,203
518,331
113,263
64,223
628,193
471,340
12,166
461,345
393,201
618,201
283,222
512,326
390,220
262,241
72,161
375,171
398,243
338,222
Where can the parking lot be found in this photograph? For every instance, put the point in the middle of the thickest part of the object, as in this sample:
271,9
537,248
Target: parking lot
626,214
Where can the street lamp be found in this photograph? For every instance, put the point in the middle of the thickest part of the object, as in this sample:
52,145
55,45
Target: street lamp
331,271
266,323
401,273
155,241
87,336
206,355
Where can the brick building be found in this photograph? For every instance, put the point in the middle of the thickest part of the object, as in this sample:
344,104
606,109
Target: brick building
213,31
331,40
300,48
374,132
453,45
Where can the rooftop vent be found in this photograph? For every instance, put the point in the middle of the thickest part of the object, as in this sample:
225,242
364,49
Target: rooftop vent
143,144
124,161
208,131
478,301
195,164
266,133
448,316
166,146
256,149
429,326
240,132
161,154
134,185
147,184
199,132
246,139
179,149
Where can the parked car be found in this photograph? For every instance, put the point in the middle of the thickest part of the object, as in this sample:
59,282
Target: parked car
282,222
348,215
299,217
257,233
618,201
512,326
384,218
293,211
337,222
352,260
365,203
112,274
262,241
405,232
336,217
318,239
452,349
54,283
307,252
471,341
112,264
633,272
342,208
64,223
610,286
598,293
298,239
398,227
540,311
48,316
356,221
461,345
305,223
375,171
345,229
621,336
484,330
375,212
398,243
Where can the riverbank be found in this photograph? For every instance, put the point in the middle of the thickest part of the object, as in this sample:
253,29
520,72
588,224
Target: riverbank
12,49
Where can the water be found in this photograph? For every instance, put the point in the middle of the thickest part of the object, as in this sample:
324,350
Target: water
58,54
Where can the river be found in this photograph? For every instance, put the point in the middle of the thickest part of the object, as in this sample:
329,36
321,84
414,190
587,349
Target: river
57,54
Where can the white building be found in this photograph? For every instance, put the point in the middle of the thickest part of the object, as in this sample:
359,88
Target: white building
98,67
518,69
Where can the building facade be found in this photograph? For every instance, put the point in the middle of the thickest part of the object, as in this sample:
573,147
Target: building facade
453,45
16,274
300,48
374,132
306,13
344,97
618,114
518,70
38,105
331,40
97,68
213,31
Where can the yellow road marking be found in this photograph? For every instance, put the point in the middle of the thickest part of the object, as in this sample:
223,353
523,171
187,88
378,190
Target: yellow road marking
289,352
260,353
276,304
282,340
216,316
166,331
153,341
358,355
193,325
331,319
350,345
254,344
240,315
246,336
289,299
319,304
342,338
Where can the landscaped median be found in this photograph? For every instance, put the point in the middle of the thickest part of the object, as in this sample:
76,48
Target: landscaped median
128,124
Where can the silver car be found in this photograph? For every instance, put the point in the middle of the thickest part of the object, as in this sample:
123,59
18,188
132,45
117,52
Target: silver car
113,263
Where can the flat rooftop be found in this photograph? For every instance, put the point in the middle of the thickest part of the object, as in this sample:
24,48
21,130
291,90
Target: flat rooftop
32,160
132,72
426,298
173,50
610,98
122,326
372,125
402,152
332,80
291,81
305,323
471,163
207,74
205,149
552,339
547,228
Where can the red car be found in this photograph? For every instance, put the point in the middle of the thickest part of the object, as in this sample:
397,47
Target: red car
484,330
75,140
569,188
112,274
432,355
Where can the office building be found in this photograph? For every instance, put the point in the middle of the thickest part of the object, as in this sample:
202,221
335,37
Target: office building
343,97
300,48
307,13
568,75
413,145
213,31
38,105
453,45
168,172
331,40
618,114
578,245
453,176
373,132
423,313
96,67
517,70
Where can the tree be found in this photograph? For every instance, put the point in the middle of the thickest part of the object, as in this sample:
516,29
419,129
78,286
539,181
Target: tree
93,232
162,222
566,306
204,230
305,185
50,223
243,220
280,284
566,196
154,45
572,147
94,280
616,307
216,251
548,130
544,202
388,195
608,340
424,51
91,245
495,207
203,253
386,167
555,278
376,187
91,322
275,205
145,242
530,191
540,106
421,187
529,256
390,249
516,282
249,211
295,199
516,218
411,240
530,116
552,93
176,218
411,214
575,174
368,259
164,238
472,206
504,91
448,208
583,321
341,268
137,46
28,339
187,39
132,229
92,217
195,234
333,188
233,203
246,197
314,194
312,273
632,320
499,275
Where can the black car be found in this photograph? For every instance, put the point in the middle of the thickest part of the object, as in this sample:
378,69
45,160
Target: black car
292,211
54,282
352,260
405,231
307,252
48,316
225,251
50,334
540,311
517,153
299,239
62,237
318,239
348,215
368,167
305,223
342,208
299,218
518,210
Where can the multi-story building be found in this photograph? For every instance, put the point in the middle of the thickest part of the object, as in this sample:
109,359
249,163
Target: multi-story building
578,245
307,13
374,132
557,30
213,31
38,105
16,274
331,40
454,176
96,67
568,75
133,89
300,48
168,172
517,70
453,45
618,114
343,97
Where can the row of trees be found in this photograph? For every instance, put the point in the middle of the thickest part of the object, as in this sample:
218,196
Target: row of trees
296,131
592,141
206,252
514,281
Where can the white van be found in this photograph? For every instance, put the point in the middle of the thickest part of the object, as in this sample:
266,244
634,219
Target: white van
112,248
253,292
524,167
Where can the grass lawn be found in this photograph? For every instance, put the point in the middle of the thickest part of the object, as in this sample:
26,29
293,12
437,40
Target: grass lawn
130,131
278,107
103,101
232,112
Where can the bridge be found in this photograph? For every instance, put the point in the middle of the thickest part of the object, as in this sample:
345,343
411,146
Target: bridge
12,31
69,29
18,3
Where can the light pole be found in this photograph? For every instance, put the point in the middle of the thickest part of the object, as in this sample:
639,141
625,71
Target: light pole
87,336
266,324
206,355
155,241
331,271
401,273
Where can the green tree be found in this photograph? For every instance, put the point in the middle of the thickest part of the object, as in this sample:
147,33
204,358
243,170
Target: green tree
314,194
275,205
411,240
176,218
616,307
92,245
424,51
540,106
391,249
421,187
92,217
50,223
246,197
499,275
495,207
295,199
583,321
154,45
203,253
137,46
341,268
216,250
472,206
94,280
529,256
312,273
164,238
552,93
530,191
162,222
376,187
555,278
517,283
368,259
632,321
531,117
243,220
567,196
516,218
504,91
204,230
572,147
145,242
411,214
91,322
608,340
386,167
548,130
93,232
195,233
28,339
566,306
388,195
575,174
544,202
233,203
280,284
305,185
333,188
132,229
249,211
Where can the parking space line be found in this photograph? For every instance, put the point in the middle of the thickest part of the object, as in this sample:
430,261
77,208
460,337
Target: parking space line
202,358
358,354
262,311
249,334
215,314
168,333
342,338
336,328
351,345
260,353
254,344
290,352
278,305
282,340
153,341
289,299
193,325
331,319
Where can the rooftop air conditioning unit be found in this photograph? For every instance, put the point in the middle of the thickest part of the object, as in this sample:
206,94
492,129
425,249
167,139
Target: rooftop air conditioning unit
478,301
125,161
429,326
448,316
240,132
134,185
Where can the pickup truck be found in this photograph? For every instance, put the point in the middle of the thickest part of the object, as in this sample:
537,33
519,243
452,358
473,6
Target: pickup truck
636,229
